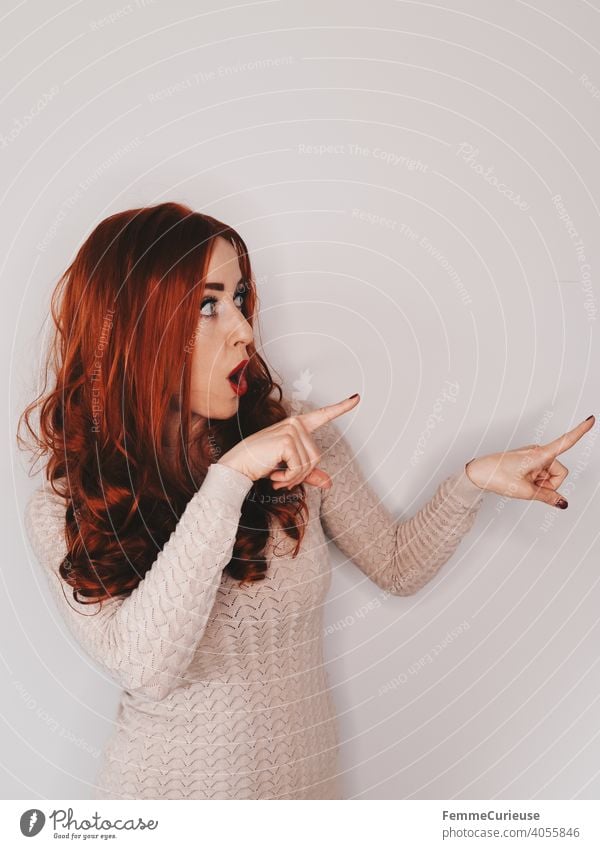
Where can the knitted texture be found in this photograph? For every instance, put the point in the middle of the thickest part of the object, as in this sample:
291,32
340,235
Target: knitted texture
225,691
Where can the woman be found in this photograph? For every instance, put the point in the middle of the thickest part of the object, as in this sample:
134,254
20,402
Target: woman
184,519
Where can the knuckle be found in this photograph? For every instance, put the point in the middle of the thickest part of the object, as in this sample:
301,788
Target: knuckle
300,425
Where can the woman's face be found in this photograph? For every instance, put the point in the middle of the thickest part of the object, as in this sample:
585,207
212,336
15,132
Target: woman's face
222,335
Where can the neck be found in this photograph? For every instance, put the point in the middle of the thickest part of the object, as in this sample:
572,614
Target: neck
174,437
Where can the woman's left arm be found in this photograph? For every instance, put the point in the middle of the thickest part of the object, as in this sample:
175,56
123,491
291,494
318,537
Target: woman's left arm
399,556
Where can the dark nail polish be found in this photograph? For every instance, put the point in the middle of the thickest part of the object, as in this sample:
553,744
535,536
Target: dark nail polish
590,417
353,396
562,504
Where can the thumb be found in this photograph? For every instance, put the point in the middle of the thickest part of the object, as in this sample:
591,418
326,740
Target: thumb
549,496
318,477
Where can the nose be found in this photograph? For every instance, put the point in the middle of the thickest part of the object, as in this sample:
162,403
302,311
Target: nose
240,331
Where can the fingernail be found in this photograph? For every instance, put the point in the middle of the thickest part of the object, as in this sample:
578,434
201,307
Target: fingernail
353,396
562,504
590,417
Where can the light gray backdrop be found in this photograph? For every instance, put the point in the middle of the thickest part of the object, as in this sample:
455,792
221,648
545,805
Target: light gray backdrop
418,184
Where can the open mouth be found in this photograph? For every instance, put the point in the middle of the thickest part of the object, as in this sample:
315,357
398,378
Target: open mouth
237,379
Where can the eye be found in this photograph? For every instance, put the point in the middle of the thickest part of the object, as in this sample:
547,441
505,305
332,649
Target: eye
207,302
242,293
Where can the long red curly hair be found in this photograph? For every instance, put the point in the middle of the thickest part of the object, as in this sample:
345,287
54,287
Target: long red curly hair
121,311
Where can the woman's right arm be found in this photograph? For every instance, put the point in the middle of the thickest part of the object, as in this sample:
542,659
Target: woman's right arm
147,640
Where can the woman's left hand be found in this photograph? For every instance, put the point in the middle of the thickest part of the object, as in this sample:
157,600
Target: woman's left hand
531,472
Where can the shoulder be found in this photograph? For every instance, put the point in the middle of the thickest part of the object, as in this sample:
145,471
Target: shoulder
44,504
44,519
294,406
297,406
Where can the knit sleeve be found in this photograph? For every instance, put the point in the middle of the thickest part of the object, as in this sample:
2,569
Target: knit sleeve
400,556
147,640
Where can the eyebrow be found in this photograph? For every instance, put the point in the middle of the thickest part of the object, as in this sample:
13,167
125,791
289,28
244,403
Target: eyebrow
220,287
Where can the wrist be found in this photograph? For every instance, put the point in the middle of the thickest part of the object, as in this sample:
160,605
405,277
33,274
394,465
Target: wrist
230,464
226,483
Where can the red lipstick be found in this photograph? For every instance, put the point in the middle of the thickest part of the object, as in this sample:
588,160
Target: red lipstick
237,379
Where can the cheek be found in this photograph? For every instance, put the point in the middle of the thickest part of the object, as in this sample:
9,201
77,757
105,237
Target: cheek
205,361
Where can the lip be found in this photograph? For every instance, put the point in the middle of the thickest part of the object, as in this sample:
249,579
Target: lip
241,387
240,365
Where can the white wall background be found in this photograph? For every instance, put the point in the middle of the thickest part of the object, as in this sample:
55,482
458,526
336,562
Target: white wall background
388,264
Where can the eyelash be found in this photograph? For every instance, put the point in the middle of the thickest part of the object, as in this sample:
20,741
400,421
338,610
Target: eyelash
243,293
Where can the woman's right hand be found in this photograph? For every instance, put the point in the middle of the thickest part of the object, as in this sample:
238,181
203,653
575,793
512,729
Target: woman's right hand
287,443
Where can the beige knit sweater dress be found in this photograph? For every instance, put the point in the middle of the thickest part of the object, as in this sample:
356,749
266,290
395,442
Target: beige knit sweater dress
225,692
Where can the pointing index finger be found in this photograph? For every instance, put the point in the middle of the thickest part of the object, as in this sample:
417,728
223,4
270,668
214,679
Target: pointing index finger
317,418
568,439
